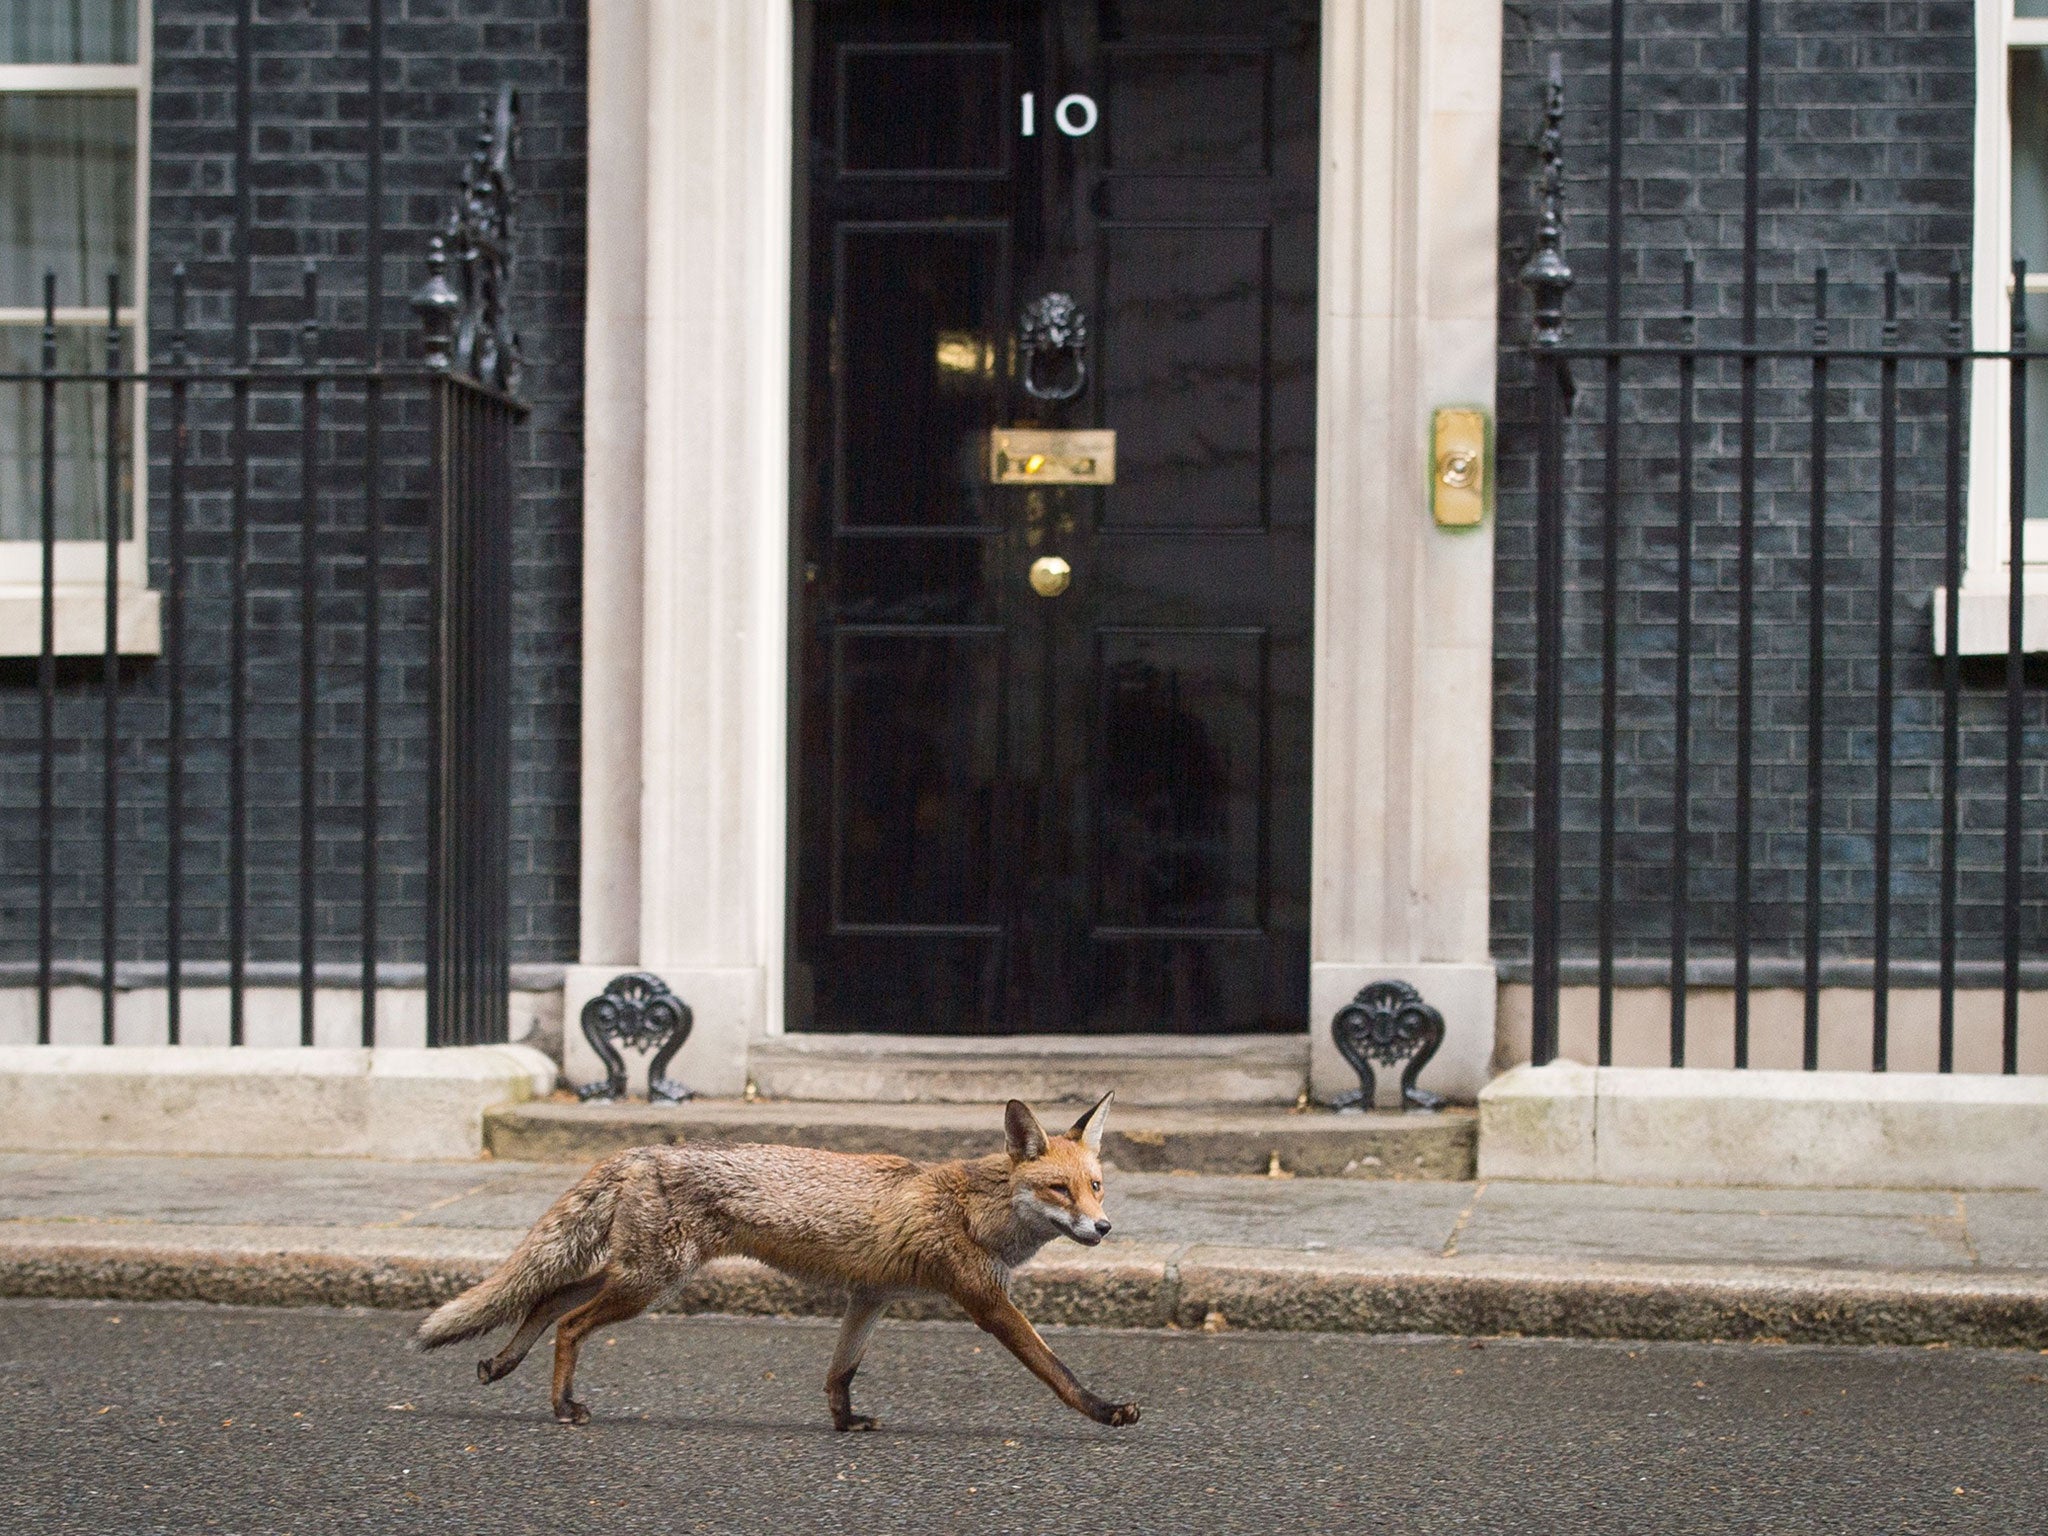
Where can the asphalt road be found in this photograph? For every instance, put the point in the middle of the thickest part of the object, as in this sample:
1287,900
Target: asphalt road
167,1418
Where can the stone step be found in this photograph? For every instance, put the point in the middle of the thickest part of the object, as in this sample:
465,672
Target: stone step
1154,1071
1312,1143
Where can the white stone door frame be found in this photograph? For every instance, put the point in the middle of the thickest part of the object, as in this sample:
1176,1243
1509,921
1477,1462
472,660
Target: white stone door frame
686,517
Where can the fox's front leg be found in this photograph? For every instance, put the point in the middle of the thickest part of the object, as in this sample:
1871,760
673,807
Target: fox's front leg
998,1315
862,1308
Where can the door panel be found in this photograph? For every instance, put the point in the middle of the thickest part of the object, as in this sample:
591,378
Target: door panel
1184,374
924,109
916,305
1181,749
921,709
1086,811
1186,111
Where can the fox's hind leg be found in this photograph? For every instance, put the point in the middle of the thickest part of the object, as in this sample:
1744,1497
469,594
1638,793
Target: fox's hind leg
544,1312
862,1308
617,1300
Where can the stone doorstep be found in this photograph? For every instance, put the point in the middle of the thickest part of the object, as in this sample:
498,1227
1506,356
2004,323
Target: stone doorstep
1314,1144
1131,1287
1161,1071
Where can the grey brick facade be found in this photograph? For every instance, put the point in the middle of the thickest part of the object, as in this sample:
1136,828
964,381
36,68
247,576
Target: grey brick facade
1867,133
444,60
1867,123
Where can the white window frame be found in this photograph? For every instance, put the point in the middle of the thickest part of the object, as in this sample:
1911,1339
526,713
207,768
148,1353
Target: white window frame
1985,596
81,563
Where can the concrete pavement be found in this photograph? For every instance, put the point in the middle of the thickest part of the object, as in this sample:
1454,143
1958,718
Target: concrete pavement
1602,1261
159,1420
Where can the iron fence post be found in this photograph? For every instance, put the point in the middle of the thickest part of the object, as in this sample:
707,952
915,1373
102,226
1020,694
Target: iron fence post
1548,277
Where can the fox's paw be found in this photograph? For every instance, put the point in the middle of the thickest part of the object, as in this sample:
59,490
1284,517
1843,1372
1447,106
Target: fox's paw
1116,1415
569,1411
855,1421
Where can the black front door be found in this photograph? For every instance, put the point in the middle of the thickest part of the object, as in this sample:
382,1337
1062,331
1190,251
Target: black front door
1022,805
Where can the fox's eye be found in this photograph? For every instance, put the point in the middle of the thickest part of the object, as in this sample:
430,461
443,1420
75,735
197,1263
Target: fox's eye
1095,1186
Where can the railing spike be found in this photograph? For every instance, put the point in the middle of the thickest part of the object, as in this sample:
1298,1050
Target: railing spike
1546,274
466,312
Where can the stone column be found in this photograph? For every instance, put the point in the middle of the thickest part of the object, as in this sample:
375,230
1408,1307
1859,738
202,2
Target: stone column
702,850
1404,609
614,381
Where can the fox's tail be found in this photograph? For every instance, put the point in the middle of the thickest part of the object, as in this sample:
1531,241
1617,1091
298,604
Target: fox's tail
565,1245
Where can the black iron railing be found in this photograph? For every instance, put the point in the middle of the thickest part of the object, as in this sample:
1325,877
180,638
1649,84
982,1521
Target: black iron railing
1942,883
285,486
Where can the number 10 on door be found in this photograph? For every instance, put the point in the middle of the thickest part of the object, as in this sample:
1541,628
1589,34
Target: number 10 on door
1074,114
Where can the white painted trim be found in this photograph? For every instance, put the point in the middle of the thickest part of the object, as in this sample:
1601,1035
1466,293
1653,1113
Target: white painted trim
1986,541
773,343
80,629
133,557
82,79
67,314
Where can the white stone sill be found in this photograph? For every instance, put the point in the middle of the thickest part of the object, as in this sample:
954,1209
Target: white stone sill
1981,624
81,620
1765,1129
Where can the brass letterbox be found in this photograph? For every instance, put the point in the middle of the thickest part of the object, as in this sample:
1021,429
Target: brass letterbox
1035,456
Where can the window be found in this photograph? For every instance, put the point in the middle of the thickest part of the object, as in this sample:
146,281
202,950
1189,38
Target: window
2011,220
74,126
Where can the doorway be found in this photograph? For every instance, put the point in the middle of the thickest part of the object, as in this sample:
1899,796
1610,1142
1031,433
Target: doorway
1053,544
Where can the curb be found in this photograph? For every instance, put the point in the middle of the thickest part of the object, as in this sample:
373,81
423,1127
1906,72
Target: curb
1235,1288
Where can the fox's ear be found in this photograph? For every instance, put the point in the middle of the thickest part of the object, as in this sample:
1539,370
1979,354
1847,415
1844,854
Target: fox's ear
1088,1129
1026,1138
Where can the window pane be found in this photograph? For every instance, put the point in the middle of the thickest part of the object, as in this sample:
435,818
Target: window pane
81,438
2030,7
67,196
68,32
2028,98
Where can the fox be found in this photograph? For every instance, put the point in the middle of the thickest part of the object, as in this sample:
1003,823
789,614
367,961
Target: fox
633,1228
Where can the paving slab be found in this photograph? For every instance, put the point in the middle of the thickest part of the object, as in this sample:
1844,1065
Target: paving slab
2008,1230
1303,1214
1190,1250
1868,1229
253,1190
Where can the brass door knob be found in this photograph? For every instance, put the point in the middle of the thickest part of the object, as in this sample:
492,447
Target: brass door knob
1050,575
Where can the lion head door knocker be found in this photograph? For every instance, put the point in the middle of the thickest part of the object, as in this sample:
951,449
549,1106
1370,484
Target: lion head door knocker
1052,346
1385,1022
636,1010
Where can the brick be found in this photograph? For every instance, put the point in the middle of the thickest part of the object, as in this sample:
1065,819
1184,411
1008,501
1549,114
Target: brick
1867,162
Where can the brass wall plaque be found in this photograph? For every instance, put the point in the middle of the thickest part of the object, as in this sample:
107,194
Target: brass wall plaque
1035,456
1460,488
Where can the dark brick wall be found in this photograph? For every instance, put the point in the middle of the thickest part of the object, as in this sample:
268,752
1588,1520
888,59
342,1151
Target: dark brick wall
1866,126
444,60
